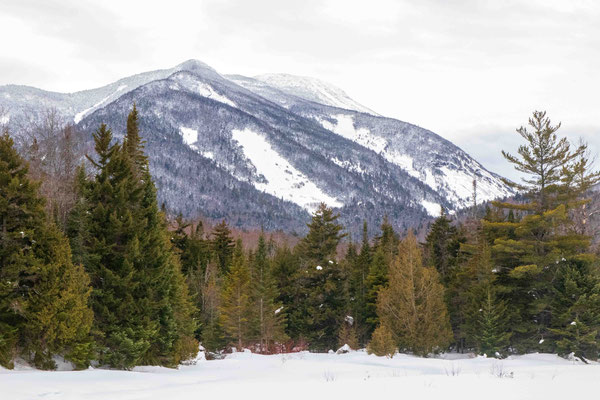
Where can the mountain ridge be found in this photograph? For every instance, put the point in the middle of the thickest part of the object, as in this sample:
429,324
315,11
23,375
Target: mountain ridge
282,151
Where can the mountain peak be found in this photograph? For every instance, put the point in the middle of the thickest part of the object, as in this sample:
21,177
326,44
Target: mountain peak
193,65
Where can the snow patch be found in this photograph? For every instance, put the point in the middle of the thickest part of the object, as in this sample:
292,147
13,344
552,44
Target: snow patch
4,119
345,127
207,154
283,180
347,165
404,161
79,116
313,89
431,207
207,91
189,136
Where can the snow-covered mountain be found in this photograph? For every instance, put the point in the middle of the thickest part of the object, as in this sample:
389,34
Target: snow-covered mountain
421,153
266,151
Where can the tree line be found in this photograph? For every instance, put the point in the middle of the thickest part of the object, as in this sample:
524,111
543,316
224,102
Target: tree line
110,278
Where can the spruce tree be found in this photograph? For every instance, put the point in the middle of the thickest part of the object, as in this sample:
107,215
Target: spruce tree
489,324
383,252
222,245
359,270
43,296
575,326
268,316
471,294
412,305
285,271
235,306
78,229
442,245
134,144
193,249
377,279
140,298
320,300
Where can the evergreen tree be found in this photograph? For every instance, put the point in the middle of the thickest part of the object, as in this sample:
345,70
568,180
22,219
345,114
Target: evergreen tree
286,267
222,245
377,279
164,288
235,300
194,253
194,250
78,228
412,305
489,325
385,249
575,309
43,296
470,290
530,249
267,313
140,299
320,304
212,333
359,270
134,145
324,235
382,343
442,245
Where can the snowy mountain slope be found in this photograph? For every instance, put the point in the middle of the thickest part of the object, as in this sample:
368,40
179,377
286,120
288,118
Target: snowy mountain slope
239,148
281,178
257,142
436,162
421,153
314,90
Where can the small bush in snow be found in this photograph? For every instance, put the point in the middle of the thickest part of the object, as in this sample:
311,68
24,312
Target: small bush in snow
497,370
329,376
453,369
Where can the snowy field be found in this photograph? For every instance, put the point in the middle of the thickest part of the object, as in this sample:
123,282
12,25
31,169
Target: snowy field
319,376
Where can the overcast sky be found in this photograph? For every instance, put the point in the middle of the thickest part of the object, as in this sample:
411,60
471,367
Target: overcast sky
471,71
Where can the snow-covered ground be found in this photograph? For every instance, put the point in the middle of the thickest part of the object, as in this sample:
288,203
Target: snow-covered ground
307,376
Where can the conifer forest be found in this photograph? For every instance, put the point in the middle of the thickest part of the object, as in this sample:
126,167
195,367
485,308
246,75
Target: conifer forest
273,200
111,279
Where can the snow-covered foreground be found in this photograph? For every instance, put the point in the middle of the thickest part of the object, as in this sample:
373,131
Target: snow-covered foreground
319,376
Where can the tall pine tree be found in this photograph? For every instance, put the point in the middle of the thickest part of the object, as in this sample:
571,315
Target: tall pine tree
43,295
140,298
530,249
